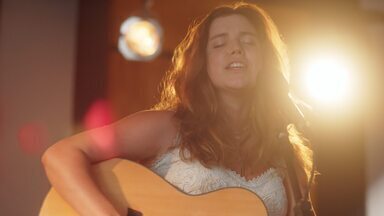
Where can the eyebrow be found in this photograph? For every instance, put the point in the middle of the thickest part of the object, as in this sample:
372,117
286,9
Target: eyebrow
225,34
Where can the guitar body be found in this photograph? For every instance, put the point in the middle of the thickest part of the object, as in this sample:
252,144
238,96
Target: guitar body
130,185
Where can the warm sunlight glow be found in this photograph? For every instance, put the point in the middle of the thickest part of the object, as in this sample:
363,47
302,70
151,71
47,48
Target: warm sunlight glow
327,78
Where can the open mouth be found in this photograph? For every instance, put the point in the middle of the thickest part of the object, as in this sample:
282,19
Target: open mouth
236,65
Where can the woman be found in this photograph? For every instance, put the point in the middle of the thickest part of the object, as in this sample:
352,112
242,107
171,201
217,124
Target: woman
222,107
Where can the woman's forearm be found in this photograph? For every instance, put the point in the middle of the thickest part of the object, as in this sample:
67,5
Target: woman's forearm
68,170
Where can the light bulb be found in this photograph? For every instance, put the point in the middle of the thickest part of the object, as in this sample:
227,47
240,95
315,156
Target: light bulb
141,38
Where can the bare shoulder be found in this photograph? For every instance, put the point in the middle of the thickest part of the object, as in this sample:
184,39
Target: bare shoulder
150,119
145,134
153,115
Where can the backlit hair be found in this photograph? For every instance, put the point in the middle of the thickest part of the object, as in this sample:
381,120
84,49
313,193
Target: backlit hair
188,91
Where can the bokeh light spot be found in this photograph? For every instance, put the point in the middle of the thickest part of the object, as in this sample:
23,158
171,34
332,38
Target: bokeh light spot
32,138
98,116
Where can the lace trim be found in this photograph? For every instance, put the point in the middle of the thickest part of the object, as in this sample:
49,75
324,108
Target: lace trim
159,158
193,178
260,178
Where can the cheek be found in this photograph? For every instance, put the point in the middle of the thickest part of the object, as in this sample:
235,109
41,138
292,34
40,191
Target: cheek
256,66
213,58
213,64
257,61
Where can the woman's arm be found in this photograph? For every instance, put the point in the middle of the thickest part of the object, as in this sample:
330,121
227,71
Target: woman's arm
137,137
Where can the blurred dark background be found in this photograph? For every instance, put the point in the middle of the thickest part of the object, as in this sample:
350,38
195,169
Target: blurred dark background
60,57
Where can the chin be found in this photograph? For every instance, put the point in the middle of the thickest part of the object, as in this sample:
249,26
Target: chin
238,88
239,84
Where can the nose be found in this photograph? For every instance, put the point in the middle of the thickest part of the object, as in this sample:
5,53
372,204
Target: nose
236,49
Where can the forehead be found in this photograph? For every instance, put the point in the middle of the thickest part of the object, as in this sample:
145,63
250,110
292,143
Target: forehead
233,22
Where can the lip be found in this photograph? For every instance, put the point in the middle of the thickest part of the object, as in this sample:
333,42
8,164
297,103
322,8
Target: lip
236,61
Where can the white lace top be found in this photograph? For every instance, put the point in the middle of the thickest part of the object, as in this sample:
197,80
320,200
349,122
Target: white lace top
194,178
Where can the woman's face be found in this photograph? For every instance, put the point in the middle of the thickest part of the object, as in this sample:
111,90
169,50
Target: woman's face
233,53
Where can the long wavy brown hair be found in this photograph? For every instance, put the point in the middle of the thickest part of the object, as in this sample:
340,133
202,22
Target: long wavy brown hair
188,91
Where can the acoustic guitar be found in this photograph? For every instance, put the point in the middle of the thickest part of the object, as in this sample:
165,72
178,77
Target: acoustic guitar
136,190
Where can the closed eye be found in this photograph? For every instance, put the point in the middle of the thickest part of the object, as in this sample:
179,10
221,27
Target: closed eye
218,41
248,39
218,45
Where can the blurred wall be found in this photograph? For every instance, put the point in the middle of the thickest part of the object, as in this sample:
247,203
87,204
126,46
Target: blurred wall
374,139
37,57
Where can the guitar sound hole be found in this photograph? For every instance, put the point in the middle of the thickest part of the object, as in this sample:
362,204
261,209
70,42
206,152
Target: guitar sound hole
133,212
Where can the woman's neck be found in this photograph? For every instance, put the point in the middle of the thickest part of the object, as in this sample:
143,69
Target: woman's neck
234,109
